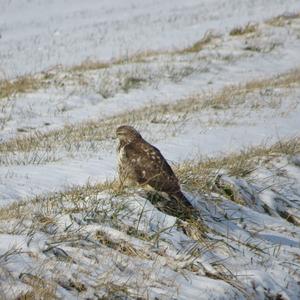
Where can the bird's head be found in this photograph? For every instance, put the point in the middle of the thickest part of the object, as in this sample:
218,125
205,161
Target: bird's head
127,134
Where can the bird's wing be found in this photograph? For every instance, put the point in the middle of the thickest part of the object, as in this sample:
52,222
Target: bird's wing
151,167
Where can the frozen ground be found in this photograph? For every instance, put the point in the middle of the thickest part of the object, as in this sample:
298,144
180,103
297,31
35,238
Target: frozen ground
198,79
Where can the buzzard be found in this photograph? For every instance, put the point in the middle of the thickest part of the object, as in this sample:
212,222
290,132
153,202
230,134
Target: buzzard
140,163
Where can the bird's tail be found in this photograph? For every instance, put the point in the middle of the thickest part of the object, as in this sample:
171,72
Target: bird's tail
181,199
186,212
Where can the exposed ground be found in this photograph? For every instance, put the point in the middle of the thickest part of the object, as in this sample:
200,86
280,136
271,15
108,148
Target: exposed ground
220,101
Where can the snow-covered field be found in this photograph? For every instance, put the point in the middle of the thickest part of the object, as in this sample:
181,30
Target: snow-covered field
203,81
38,34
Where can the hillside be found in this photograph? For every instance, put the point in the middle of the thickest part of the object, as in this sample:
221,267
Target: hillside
214,85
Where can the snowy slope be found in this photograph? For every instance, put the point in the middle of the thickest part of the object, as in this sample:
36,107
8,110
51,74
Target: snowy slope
103,245
267,114
198,79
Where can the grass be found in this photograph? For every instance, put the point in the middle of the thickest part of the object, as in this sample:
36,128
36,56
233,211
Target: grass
28,83
202,176
208,38
103,205
40,215
89,65
196,176
40,289
282,20
70,137
132,83
249,28
122,80
22,84
235,95
54,202
93,211
143,56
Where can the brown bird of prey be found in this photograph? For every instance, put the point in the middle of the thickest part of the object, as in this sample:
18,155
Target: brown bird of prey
140,163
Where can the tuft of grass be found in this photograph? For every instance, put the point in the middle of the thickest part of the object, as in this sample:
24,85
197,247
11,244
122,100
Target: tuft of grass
75,195
132,83
143,56
89,65
122,80
22,84
198,46
138,57
40,288
123,246
234,95
202,176
283,20
249,28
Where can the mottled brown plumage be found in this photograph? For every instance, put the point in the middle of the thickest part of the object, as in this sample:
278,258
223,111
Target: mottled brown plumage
140,163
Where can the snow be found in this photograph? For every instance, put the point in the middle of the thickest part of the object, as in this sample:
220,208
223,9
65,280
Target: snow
247,252
51,108
39,34
107,244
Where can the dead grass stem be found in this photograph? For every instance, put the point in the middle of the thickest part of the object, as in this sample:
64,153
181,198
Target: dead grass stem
202,176
283,19
21,84
241,30
199,45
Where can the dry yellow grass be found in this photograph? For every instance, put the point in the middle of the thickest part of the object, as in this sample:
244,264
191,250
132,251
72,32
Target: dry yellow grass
249,28
283,20
98,131
88,65
142,56
196,175
75,195
40,288
201,175
200,45
27,83
22,84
